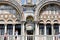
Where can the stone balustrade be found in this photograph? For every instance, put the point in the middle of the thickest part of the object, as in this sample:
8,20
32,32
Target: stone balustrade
32,37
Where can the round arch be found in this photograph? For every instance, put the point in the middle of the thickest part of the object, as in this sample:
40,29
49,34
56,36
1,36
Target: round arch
48,21
13,4
29,18
41,21
39,7
9,19
55,22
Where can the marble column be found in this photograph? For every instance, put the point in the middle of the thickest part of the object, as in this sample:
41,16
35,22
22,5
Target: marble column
5,28
59,32
59,27
13,29
36,31
52,29
22,31
45,31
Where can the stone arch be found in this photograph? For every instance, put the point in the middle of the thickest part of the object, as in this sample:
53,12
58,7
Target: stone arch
48,21
17,20
2,20
55,21
39,7
14,4
31,18
10,20
41,21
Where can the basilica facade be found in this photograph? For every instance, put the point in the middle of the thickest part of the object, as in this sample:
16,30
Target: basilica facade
30,19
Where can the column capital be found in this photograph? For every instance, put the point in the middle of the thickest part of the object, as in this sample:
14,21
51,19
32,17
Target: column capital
45,29
5,28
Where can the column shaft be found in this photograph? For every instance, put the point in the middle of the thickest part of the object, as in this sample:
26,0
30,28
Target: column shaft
36,29
5,28
22,31
52,29
59,27
45,30
36,32
13,29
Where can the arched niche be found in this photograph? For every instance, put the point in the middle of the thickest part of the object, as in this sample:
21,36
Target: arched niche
29,28
6,9
29,19
29,25
50,9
